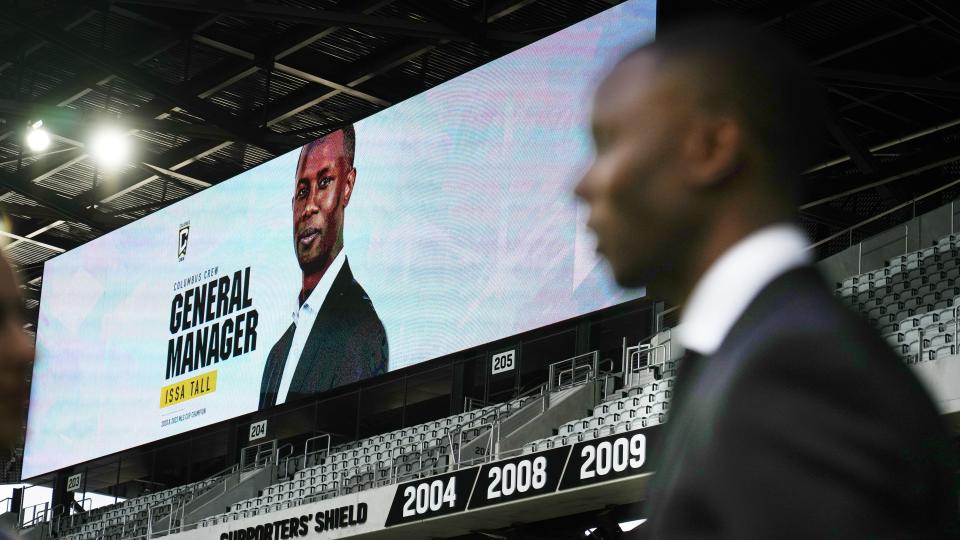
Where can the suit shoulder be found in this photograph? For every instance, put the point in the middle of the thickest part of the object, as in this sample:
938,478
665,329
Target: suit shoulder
359,307
807,338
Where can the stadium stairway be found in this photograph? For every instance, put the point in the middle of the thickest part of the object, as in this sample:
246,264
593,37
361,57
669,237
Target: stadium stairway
235,488
553,409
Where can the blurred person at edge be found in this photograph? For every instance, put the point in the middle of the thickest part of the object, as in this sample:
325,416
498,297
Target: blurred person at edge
791,417
16,358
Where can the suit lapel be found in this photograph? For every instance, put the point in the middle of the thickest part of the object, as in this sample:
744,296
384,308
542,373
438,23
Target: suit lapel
702,383
312,372
276,360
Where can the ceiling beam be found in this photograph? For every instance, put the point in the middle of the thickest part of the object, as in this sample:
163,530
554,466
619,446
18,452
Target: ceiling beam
375,64
142,78
277,111
457,22
933,156
72,123
30,211
172,160
30,238
88,79
299,15
371,66
23,182
230,71
66,18
302,72
207,83
853,146
501,8
889,82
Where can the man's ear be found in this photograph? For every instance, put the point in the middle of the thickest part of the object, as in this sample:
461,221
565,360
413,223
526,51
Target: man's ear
714,150
348,189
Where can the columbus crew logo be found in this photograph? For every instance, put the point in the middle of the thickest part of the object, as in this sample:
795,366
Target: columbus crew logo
184,236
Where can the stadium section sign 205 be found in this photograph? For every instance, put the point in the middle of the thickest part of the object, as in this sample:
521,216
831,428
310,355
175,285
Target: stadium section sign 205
442,223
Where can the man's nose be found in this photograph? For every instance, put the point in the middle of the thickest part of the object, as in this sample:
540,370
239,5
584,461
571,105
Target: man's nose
312,204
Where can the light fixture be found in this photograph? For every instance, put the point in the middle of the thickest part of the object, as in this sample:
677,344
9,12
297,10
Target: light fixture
628,526
109,147
38,139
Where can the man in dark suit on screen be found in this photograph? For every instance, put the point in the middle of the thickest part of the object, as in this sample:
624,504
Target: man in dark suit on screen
336,336
791,417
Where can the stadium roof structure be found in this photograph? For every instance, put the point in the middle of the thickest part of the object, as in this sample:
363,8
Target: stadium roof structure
210,89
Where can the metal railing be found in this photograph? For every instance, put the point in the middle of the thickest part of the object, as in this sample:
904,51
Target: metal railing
38,513
261,454
644,356
848,232
174,509
572,371
321,453
470,403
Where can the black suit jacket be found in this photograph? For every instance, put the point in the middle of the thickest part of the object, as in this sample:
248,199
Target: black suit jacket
346,344
803,424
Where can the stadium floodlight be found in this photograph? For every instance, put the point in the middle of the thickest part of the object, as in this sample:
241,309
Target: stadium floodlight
109,147
628,526
38,139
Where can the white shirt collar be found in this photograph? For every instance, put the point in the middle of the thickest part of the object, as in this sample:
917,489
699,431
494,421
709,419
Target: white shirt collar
734,279
319,293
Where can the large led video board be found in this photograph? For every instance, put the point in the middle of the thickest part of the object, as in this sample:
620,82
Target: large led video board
442,223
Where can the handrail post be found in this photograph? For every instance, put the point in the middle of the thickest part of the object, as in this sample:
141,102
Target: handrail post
859,257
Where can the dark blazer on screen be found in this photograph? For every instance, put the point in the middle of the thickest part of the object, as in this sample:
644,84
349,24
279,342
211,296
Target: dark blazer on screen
346,344
803,424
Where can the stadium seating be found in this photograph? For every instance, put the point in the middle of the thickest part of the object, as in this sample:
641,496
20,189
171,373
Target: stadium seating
415,451
419,450
912,300
423,450
130,518
643,406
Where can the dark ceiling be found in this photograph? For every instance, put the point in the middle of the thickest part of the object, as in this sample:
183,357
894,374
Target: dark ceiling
209,89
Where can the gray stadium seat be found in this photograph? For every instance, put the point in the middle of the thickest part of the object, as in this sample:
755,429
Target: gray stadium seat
944,351
941,339
927,319
889,328
909,323
894,338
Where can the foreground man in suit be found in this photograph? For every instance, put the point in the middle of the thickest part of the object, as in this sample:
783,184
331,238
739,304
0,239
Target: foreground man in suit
791,417
336,337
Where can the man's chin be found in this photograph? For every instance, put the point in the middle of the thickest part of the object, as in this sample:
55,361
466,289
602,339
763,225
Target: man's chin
310,263
635,277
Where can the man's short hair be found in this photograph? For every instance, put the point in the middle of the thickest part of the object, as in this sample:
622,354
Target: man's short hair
757,77
349,143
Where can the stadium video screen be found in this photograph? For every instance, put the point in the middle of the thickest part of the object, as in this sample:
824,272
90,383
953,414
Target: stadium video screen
455,225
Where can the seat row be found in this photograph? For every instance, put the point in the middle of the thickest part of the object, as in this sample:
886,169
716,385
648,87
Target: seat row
943,250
